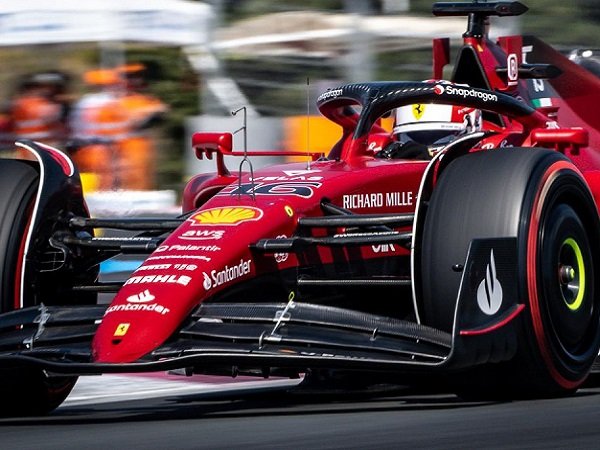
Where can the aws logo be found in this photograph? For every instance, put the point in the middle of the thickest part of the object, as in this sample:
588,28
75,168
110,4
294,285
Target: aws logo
226,216
202,235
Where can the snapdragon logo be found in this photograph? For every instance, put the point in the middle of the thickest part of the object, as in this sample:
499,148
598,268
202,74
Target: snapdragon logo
464,93
330,94
227,274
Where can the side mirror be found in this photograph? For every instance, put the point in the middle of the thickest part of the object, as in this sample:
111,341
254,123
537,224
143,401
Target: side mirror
562,139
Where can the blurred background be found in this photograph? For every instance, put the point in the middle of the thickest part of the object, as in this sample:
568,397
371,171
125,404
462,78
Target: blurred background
122,85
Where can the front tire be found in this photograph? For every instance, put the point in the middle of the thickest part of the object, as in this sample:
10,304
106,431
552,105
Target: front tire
539,197
24,390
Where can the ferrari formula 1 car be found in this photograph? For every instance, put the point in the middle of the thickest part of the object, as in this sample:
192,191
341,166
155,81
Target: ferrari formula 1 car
463,244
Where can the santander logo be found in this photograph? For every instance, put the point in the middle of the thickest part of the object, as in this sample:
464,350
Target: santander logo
207,283
228,273
489,292
142,297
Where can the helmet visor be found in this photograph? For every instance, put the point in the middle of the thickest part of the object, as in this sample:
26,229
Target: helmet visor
430,133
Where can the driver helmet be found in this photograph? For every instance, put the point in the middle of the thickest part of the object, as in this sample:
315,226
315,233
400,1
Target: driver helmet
435,125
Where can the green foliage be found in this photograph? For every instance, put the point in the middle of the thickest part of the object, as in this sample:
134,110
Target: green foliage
404,65
562,23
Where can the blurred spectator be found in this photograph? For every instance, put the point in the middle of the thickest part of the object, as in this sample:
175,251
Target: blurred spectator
109,127
98,123
6,137
61,95
39,109
143,110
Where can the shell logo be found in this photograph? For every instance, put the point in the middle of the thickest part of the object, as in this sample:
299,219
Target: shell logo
233,215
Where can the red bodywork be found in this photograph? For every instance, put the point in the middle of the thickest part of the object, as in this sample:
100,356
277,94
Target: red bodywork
215,242
212,251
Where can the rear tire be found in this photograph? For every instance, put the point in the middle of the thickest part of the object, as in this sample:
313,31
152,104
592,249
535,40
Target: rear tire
539,197
23,391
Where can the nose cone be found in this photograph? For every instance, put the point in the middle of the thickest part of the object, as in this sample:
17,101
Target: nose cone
131,330
121,349
207,254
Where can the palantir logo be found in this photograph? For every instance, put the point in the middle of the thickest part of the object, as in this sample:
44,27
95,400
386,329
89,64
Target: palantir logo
489,292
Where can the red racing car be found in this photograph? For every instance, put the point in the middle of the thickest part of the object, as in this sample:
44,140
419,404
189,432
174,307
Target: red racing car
465,244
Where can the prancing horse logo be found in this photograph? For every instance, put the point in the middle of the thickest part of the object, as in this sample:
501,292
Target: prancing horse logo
418,110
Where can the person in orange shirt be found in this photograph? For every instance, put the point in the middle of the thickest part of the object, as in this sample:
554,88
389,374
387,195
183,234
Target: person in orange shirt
143,110
35,113
98,124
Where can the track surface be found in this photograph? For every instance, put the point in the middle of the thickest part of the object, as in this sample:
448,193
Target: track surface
211,418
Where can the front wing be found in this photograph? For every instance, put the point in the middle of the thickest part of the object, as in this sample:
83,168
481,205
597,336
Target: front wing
292,335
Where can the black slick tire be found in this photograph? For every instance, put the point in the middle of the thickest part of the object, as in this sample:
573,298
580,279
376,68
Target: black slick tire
538,196
24,391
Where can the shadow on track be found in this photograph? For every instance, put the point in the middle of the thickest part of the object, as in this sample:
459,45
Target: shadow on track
222,405
381,398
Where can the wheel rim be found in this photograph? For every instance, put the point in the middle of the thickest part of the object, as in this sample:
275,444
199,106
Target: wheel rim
567,281
571,274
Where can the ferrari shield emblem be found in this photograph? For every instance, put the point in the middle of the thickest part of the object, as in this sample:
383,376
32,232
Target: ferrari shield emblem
418,110
121,329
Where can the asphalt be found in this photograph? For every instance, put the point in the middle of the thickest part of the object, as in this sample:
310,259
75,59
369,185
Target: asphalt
274,419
